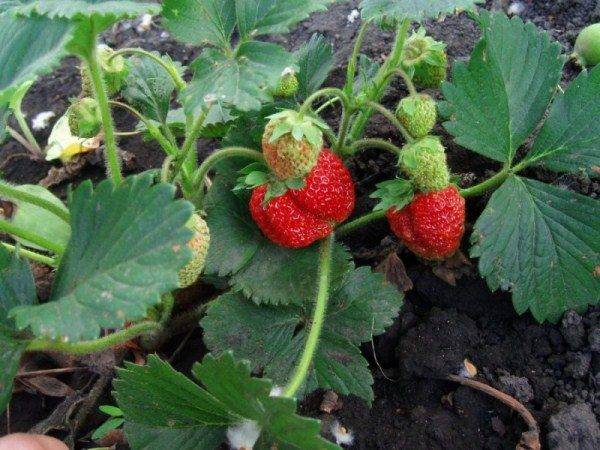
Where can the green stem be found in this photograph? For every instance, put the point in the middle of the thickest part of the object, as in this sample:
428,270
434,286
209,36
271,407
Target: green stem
360,222
10,228
34,256
312,340
6,190
152,129
187,156
352,62
490,183
392,118
407,81
93,346
212,159
329,102
168,302
375,143
24,142
113,162
18,113
381,80
171,70
331,92
343,131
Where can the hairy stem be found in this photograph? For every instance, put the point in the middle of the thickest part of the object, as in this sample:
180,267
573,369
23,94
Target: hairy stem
490,183
212,159
8,191
171,70
389,115
352,62
10,228
27,131
33,256
407,81
24,142
325,92
312,340
375,143
359,222
113,162
381,80
187,156
95,345
152,129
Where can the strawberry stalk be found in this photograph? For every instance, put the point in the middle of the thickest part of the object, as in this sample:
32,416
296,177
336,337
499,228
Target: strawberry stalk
179,82
392,118
374,143
360,222
353,61
31,255
312,340
10,228
113,162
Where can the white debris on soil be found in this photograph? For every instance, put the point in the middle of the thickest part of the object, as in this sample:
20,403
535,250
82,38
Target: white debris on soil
243,435
515,8
42,120
468,370
342,435
354,14
145,23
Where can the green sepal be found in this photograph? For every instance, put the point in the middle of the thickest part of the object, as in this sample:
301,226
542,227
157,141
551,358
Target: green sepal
396,193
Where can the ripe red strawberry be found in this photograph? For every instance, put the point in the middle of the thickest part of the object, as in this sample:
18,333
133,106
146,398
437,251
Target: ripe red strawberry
302,216
432,225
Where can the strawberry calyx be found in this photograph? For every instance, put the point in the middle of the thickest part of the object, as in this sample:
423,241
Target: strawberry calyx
258,174
425,60
396,193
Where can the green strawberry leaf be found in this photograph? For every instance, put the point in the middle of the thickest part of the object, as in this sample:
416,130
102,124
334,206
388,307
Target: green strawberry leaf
367,68
500,96
416,10
315,60
126,248
106,427
16,288
28,47
570,138
238,249
256,17
167,404
200,22
242,80
272,337
542,243
149,87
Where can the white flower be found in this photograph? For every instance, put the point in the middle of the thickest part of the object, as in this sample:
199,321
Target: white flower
42,120
342,435
63,145
145,24
243,435
354,14
276,391
515,8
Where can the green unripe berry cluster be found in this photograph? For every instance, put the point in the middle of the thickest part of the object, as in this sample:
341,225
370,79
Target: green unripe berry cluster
84,117
424,162
425,60
418,114
288,84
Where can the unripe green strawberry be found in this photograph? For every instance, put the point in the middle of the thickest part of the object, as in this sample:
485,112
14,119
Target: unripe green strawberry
587,46
199,246
84,118
114,72
418,114
288,84
424,161
291,144
425,60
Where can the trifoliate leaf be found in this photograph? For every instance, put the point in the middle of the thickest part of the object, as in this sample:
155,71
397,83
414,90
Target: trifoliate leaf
242,80
500,96
256,17
126,248
272,337
200,22
238,249
167,404
29,47
16,288
570,138
416,10
543,244
315,60
149,87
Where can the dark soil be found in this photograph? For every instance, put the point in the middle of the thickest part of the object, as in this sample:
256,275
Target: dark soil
554,369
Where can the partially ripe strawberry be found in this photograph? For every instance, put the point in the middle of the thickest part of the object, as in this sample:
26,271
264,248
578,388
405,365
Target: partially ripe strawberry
288,84
291,144
300,217
199,247
432,225
418,114
424,161
425,60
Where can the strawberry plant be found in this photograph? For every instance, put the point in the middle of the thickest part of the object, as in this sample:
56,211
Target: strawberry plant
261,217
